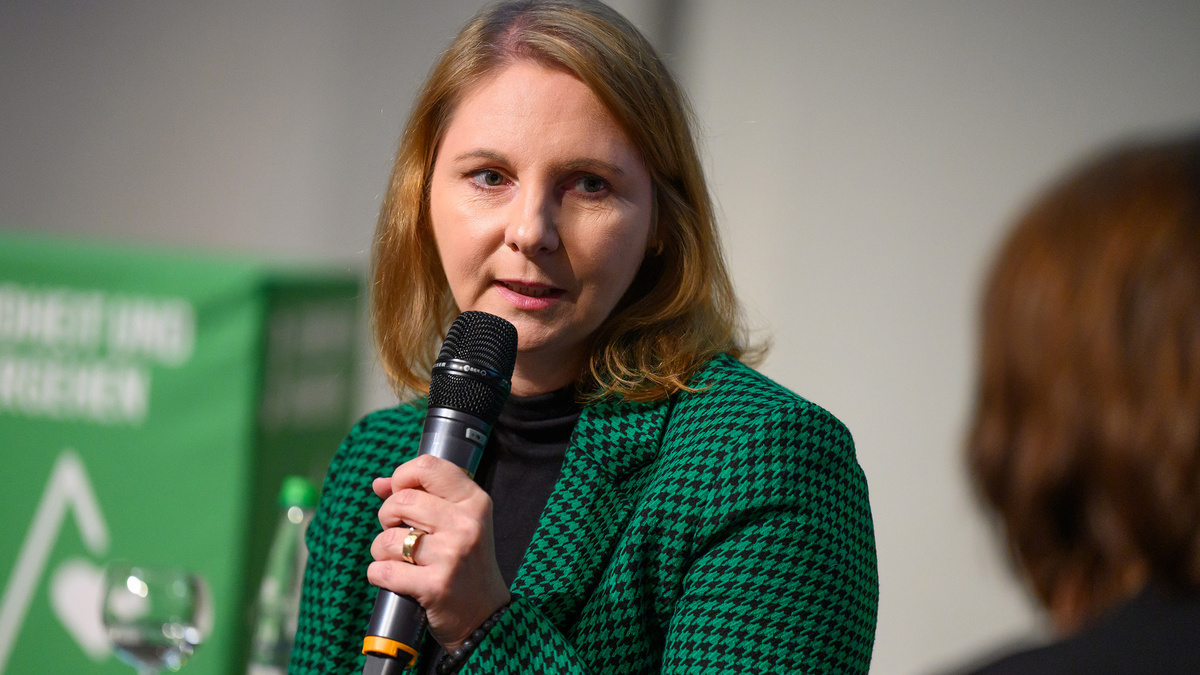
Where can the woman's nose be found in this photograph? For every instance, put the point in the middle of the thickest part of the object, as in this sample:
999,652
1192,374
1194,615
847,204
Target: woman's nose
533,222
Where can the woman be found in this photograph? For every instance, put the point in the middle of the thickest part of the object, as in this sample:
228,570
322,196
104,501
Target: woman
1086,438
647,502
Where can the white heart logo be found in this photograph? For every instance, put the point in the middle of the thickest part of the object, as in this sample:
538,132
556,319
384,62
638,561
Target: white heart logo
77,593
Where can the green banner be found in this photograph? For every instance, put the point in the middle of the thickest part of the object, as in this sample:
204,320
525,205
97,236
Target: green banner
150,405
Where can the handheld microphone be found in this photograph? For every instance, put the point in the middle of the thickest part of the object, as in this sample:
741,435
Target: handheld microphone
467,387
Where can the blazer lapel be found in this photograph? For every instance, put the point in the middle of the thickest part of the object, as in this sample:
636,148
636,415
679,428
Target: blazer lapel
590,506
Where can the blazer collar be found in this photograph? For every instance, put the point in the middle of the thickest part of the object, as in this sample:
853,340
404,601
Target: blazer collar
618,437
588,510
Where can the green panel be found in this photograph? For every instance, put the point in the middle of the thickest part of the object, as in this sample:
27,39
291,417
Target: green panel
131,385
307,391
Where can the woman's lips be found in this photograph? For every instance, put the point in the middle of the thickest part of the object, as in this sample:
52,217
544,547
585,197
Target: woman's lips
528,295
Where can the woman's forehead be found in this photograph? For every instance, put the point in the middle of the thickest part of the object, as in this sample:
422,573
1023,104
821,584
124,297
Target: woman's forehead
526,106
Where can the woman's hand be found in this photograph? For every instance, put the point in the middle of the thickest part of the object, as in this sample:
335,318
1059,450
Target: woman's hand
455,576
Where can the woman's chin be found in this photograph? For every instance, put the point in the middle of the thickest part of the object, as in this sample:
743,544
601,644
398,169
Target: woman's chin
538,351
532,345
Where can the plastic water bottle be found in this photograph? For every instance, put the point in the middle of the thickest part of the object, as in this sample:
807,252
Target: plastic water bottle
278,607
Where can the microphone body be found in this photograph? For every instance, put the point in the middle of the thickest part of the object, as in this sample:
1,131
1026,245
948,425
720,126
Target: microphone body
468,385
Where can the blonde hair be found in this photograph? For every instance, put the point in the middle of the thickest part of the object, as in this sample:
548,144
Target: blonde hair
680,310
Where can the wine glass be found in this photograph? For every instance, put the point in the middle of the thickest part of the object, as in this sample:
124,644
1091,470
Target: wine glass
155,617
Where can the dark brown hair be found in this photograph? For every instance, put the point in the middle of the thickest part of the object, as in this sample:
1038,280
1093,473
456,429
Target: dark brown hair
1086,432
680,310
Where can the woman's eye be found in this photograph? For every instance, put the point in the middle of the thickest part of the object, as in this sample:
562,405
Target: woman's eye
591,184
488,178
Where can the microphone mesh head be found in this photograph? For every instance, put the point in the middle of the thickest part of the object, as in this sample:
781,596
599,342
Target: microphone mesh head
485,341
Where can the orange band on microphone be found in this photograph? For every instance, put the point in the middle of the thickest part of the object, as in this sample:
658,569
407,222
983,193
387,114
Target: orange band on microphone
381,646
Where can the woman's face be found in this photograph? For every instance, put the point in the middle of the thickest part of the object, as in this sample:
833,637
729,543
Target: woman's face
541,212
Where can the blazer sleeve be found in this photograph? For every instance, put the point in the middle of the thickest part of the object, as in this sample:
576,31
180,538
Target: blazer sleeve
785,577
780,575
337,599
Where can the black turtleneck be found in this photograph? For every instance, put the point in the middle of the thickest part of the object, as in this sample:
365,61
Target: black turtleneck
520,467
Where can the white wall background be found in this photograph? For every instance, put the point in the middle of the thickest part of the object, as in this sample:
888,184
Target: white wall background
867,157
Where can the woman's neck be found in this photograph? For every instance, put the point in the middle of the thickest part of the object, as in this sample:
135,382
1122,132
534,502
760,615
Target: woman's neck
539,372
1074,603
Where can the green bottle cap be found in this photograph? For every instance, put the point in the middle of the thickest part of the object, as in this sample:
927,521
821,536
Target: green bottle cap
298,491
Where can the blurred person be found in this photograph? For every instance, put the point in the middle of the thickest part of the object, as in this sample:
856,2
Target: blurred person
647,502
1086,434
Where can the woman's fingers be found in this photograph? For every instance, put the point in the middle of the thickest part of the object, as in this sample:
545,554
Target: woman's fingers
382,487
411,475
419,583
415,508
418,491
431,494
436,476
390,545
462,526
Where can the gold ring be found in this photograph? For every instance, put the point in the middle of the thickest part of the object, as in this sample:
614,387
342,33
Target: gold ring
410,543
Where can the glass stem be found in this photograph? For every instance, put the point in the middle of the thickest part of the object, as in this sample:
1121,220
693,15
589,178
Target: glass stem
147,670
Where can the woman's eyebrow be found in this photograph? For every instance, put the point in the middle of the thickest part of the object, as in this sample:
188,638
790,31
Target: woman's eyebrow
590,164
482,153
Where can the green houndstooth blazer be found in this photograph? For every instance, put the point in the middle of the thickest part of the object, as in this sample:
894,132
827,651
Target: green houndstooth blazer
726,530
